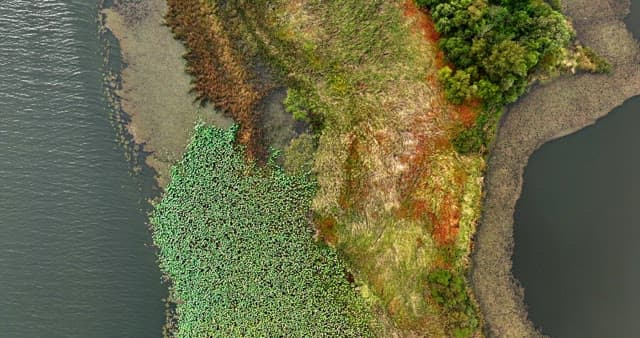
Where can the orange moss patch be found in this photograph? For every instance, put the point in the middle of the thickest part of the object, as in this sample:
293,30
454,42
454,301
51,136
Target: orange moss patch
467,113
424,20
220,73
419,208
440,60
416,209
447,225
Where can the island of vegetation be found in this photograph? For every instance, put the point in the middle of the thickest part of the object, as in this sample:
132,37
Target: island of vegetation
361,221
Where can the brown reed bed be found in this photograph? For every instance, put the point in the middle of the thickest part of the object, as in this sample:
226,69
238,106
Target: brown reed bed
221,71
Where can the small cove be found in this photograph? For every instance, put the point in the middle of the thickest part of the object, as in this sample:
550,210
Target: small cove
576,227
576,230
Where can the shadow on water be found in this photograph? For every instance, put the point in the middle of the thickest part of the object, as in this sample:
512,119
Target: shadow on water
577,228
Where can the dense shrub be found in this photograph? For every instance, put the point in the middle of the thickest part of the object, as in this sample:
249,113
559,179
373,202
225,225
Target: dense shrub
493,47
477,138
235,241
449,290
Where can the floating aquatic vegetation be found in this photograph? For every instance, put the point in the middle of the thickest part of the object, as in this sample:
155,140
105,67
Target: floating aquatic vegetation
235,241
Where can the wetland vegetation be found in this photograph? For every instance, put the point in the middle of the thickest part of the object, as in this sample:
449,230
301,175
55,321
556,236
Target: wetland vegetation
401,106
496,49
236,241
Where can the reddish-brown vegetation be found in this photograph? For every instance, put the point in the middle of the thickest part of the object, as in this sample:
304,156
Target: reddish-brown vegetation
326,229
445,230
467,112
424,21
221,75
445,220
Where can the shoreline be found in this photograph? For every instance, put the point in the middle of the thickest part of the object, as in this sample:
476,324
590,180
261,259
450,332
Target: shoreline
155,92
157,98
407,302
547,112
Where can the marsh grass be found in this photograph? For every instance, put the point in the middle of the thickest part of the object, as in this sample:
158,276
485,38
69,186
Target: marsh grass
393,193
220,69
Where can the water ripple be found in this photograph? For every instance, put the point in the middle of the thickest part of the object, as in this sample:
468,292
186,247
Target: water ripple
73,261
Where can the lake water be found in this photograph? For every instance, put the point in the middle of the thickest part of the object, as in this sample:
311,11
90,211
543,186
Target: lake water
577,228
74,255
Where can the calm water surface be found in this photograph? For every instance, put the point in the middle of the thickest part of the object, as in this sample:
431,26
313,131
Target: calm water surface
74,260
577,228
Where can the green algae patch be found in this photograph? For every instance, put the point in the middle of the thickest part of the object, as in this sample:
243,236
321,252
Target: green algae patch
235,240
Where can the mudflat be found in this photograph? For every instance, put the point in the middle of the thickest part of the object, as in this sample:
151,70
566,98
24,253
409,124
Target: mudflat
155,87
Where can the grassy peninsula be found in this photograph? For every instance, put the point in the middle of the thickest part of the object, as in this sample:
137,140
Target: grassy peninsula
401,107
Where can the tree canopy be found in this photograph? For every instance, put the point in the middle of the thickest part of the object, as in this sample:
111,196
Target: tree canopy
494,45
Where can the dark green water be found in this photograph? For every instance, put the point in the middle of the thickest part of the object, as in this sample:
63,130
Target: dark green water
74,260
577,228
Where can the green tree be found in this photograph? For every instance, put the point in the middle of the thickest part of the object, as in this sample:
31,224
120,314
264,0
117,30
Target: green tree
457,50
457,85
489,91
495,46
507,58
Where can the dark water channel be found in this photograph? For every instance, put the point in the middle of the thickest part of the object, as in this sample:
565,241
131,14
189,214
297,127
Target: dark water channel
74,260
577,228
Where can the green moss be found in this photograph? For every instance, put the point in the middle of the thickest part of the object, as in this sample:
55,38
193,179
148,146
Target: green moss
236,243
298,156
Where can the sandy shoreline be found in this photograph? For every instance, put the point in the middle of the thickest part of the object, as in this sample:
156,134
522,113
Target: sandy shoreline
155,90
545,113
